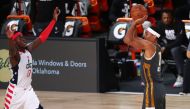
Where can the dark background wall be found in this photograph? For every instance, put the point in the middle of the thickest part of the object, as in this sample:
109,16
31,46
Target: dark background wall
71,65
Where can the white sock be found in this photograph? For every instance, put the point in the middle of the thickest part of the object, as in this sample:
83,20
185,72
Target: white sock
150,108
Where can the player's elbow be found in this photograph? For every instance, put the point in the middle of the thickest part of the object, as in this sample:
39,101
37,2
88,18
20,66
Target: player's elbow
127,40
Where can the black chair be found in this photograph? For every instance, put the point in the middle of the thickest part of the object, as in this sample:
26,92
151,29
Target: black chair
169,65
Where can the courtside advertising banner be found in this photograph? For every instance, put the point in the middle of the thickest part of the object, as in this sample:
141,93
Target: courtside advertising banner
61,65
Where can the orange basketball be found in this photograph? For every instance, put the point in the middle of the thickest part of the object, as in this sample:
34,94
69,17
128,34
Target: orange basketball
138,11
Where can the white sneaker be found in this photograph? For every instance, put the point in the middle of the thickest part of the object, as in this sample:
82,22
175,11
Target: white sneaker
179,81
142,83
183,94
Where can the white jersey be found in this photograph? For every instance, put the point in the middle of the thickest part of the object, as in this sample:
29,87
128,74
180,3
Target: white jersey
20,94
22,73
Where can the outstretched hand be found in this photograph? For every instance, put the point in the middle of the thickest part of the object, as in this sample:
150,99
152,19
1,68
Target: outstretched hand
56,13
141,20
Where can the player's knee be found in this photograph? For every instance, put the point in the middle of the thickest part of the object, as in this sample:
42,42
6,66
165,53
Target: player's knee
40,107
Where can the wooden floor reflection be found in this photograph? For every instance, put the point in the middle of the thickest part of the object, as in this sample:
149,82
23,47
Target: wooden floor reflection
76,100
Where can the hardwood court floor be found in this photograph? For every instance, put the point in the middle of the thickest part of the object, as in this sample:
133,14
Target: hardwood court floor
76,100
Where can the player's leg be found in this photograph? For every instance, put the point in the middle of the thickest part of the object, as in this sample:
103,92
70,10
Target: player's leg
32,101
143,105
40,107
14,97
160,102
148,99
8,96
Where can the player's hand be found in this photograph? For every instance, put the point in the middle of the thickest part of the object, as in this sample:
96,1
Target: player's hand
56,13
141,20
9,33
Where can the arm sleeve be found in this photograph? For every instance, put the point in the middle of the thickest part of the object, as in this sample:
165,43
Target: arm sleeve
45,34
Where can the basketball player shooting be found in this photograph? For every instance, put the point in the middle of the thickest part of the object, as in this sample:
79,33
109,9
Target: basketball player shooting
154,92
20,94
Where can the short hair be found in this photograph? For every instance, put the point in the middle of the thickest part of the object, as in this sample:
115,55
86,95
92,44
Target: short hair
168,11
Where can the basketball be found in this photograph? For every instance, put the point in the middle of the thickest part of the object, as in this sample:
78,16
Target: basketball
138,11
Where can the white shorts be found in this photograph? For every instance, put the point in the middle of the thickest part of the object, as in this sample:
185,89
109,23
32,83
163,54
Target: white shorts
20,98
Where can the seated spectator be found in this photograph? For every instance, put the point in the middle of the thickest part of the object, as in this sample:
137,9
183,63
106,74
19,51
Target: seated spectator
173,41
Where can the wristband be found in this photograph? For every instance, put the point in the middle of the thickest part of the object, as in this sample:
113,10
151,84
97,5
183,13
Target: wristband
15,35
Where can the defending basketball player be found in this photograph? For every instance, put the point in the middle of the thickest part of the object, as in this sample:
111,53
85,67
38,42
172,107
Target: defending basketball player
20,94
154,93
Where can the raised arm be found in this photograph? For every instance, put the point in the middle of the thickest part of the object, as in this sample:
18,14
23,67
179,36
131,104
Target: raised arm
45,33
137,42
131,33
131,37
13,53
13,48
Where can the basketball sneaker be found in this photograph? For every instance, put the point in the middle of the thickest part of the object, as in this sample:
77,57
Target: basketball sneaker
179,81
184,93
